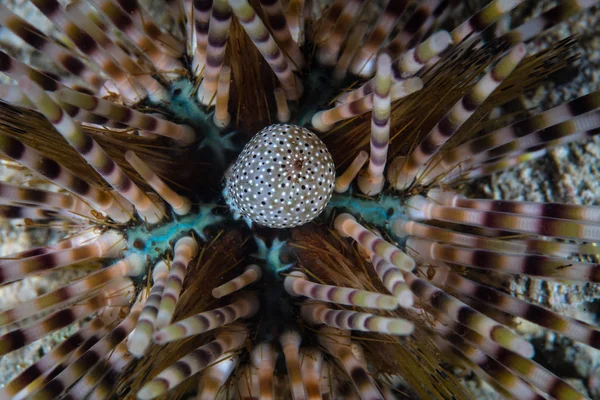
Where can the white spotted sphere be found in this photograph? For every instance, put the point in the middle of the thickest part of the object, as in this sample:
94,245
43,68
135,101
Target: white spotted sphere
283,178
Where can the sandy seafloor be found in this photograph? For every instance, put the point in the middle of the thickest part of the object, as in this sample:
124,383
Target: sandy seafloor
569,173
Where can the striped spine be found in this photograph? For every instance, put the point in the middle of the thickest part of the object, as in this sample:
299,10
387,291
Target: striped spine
53,388
131,265
29,378
181,205
218,32
393,280
337,343
548,19
263,358
571,212
411,62
403,171
251,274
144,23
116,361
121,19
281,32
342,182
141,337
110,203
362,61
222,117
539,315
27,212
246,306
262,39
547,382
483,18
324,121
91,151
491,368
420,208
193,362
346,225
419,21
574,129
507,134
201,11
181,134
329,49
59,54
186,249
296,284
529,246
415,59
32,196
458,311
357,321
138,72
215,376
109,245
129,89
352,46
74,241
20,337
529,264
290,345
371,183
311,364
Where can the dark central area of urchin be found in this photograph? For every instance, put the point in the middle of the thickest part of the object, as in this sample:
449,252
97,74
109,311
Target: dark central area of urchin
306,178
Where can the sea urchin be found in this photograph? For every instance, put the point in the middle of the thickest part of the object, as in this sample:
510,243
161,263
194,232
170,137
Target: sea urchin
330,287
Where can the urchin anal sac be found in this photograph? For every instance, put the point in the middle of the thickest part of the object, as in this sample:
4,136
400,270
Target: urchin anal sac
283,178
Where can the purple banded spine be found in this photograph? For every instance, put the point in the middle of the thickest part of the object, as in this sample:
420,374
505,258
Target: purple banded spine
312,363
201,11
91,151
109,245
346,225
216,376
529,264
218,33
262,39
53,388
78,290
421,208
27,379
329,49
263,359
483,18
180,205
371,182
297,285
186,249
403,171
337,343
193,362
358,321
458,311
246,306
363,59
251,274
281,32
141,337
290,345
